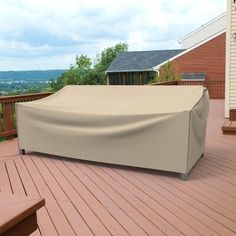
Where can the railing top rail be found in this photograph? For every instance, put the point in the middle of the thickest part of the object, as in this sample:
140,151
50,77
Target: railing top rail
203,81
174,82
23,97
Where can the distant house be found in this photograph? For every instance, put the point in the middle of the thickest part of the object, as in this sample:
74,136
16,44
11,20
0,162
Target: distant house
136,68
201,61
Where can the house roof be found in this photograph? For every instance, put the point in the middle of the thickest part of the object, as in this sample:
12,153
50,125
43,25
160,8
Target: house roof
140,60
204,32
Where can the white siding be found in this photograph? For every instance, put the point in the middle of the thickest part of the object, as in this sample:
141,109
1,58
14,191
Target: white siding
230,99
203,33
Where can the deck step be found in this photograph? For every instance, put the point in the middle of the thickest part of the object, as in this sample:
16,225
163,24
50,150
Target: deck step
229,127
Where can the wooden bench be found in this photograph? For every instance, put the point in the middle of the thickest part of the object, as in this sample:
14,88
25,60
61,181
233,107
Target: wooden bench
229,127
18,214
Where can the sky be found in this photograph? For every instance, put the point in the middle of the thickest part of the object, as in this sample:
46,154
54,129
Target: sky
48,34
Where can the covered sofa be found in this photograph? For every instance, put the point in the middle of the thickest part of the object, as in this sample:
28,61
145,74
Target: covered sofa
156,127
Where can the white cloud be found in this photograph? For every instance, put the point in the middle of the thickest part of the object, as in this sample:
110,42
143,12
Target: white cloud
48,34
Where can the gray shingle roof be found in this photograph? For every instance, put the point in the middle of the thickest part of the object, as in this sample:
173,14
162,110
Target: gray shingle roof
141,60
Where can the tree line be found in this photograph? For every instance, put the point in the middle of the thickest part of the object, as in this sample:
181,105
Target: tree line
84,72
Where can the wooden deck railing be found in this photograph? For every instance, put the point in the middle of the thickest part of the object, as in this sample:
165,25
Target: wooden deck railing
216,88
174,82
7,111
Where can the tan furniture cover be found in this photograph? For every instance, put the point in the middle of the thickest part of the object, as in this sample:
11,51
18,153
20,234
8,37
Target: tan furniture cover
157,127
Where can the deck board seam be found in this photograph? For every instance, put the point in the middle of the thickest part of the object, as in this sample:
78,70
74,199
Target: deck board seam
215,182
209,157
56,200
76,164
38,194
195,199
216,155
209,188
202,201
166,179
129,201
30,158
155,200
220,168
142,202
6,185
218,174
185,202
8,177
83,199
20,178
74,204
181,209
84,164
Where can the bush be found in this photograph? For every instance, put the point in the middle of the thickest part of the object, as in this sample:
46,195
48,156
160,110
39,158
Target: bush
167,73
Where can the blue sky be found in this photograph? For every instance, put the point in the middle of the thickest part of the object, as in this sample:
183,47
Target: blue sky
47,34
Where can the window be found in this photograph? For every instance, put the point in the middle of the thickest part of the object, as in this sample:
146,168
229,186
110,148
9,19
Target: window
194,76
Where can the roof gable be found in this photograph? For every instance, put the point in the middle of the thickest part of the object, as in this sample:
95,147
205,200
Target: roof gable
140,60
157,67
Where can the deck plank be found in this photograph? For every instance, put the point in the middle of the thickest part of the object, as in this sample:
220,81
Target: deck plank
107,199
190,225
212,193
9,148
45,222
56,213
63,201
204,214
218,171
102,213
217,183
79,203
145,209
17,186
137,215
168,181
5,185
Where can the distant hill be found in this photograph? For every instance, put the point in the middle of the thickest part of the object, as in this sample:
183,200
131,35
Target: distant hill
20,81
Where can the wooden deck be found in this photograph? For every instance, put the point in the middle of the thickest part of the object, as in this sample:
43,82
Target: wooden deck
93,199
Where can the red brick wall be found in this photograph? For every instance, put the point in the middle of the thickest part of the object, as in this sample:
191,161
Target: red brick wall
208,58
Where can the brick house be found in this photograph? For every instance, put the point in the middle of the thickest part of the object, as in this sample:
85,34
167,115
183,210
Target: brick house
201,61
208,58
203,64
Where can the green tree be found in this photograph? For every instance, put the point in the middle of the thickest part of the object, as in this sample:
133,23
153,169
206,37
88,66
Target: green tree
79,73
104,59
167,72
82,72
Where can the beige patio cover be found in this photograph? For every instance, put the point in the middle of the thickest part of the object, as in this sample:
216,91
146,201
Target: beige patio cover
157,127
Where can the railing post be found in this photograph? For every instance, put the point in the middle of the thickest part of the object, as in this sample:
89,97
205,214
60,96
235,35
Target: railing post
7,116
